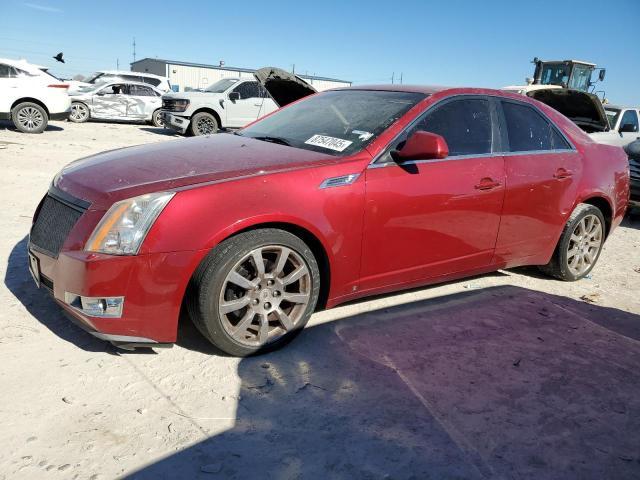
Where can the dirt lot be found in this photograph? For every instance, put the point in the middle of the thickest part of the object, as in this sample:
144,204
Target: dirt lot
509,375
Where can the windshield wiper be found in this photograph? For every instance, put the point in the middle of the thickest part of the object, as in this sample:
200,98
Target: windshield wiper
277,140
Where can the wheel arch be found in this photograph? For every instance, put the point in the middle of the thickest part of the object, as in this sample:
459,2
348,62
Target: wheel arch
602,204
32,100
208,110
311,239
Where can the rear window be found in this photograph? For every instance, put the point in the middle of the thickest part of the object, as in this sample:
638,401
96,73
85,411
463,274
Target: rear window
529,131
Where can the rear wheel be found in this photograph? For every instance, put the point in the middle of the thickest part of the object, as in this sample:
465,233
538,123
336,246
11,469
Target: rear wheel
79,112
254,291
579,246
29,117
203,123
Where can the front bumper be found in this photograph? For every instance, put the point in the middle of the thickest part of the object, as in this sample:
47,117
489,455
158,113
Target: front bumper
175,122
152,285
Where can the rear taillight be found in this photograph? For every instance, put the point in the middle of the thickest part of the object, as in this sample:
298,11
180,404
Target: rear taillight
58,85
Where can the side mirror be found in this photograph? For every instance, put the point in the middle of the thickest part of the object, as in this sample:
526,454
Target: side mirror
422,146
100,94
628,128
233,96
601,74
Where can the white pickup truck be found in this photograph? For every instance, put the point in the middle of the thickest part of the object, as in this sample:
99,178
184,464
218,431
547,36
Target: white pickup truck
228,103
624,126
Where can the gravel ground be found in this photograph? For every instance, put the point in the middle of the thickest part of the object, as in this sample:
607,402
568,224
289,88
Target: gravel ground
508,375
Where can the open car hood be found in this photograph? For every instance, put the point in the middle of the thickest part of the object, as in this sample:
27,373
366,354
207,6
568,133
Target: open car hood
584,109
284,87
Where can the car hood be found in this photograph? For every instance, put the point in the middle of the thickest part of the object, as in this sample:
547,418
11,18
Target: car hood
124,173
584,109
284,87
192,95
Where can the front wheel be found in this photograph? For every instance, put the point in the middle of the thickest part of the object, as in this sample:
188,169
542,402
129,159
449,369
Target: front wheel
203,123
254,291
29,117
156,119
79,112
579,246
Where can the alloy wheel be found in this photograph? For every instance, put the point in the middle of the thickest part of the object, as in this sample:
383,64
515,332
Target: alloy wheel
265,295
206,126
79,112
30,118
584,245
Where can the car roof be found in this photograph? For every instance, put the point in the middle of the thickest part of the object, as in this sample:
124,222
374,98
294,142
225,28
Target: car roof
126,82
129,72
618,107
433,89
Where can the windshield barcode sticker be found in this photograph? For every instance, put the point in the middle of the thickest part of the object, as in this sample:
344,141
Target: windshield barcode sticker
332,143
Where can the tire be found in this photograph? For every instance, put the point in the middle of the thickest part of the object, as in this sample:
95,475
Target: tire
156,119
29,117
80,112
258,325
576,253
203,123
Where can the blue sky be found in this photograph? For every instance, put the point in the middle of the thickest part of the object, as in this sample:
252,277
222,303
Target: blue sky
471,43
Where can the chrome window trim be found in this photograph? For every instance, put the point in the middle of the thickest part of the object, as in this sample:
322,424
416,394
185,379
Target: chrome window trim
573,149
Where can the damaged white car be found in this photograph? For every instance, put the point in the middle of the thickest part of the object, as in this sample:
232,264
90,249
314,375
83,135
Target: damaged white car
121,101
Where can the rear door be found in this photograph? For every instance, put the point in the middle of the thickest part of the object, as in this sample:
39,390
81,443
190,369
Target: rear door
428,218
542,174
142,102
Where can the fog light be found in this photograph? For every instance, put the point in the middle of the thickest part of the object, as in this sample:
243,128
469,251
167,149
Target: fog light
105,307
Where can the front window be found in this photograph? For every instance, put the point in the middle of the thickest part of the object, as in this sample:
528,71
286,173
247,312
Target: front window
338,122
554,74
221,85
580,78
612,115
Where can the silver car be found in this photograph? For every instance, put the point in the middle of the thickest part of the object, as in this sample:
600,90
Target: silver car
132,101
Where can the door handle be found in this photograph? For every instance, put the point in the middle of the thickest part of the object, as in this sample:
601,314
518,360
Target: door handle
562,173
487,183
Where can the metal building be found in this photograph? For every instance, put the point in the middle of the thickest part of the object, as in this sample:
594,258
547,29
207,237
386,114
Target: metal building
185,76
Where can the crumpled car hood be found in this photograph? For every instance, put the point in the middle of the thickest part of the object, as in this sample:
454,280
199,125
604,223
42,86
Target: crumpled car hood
124,173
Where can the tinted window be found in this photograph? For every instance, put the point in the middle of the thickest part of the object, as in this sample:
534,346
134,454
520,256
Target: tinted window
141,91
248,90
630,117
4,71
527,129
151,81
114,89
558,142
464,124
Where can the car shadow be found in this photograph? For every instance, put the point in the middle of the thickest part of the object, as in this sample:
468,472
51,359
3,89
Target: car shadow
8,125
161,131
504,382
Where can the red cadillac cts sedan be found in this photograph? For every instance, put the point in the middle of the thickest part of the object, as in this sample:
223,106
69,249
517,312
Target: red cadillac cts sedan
339,195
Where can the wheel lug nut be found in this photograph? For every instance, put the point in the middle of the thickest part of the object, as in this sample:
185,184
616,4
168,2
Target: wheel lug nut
276,293
269,282
267,306
256,301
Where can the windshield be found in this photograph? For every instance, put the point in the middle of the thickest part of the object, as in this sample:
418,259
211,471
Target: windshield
95,78
580,77
612,116
554,74
221,85
339,122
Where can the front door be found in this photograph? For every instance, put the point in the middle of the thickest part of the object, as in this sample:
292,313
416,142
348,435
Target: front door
542,171
247,108
429,218
110,102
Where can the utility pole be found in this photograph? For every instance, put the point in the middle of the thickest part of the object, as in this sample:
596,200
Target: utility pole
134,49
293,69
117,64
392,76
400,78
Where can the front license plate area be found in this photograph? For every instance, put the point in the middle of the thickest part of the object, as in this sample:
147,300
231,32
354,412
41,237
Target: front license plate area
34,268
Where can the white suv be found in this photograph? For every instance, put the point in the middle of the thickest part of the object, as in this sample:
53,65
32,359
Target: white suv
228,103
107,76
30,97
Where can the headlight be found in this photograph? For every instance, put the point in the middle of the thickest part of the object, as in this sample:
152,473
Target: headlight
180,105
123,228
